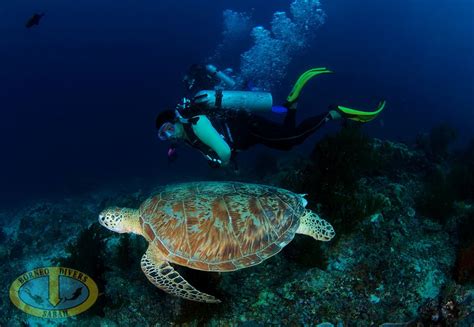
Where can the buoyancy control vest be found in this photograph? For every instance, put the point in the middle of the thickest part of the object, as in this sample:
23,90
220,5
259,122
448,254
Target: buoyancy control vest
219,106
219,124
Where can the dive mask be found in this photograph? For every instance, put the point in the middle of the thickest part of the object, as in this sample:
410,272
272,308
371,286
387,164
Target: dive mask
166,131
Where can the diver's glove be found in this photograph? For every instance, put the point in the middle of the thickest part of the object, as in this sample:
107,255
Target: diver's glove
172,154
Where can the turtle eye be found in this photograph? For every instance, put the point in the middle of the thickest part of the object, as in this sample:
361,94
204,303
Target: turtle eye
102,220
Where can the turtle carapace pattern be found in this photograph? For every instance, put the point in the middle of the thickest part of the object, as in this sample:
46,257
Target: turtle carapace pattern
214,226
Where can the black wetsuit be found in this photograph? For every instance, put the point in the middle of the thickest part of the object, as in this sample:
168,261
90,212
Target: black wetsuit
242,130
249,129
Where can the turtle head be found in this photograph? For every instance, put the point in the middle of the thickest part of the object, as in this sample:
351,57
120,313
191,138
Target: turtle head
120,220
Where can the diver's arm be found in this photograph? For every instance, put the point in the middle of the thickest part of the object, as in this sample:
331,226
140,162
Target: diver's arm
204,130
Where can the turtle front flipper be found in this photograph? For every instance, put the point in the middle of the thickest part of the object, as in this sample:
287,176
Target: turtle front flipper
160,273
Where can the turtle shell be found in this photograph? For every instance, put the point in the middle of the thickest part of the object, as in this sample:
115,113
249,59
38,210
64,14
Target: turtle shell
220,226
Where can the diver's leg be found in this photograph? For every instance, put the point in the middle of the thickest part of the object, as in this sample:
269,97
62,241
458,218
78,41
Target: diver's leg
267,132
305,129
290,118
312,124
282,137
242,126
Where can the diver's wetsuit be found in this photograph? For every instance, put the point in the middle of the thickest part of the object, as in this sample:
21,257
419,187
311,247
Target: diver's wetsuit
248,130
219,136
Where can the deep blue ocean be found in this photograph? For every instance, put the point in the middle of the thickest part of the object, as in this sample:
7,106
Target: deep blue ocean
366,223
79,93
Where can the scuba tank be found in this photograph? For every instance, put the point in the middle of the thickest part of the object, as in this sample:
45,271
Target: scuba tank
223,77
234,100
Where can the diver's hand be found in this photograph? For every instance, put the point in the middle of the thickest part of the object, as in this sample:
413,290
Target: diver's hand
213,162
172,154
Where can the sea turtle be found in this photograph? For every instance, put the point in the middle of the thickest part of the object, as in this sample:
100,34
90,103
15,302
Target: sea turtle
213,226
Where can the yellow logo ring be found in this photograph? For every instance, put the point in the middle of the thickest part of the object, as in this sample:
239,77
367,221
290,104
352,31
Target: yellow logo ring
56,277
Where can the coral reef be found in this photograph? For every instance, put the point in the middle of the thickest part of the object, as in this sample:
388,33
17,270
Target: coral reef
394,261
86,254
453,307
464,222
462,173
437,198
446,183
436,143
465,264
333,178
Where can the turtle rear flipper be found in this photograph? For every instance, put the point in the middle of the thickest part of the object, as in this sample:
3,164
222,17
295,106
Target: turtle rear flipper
160,273
313,225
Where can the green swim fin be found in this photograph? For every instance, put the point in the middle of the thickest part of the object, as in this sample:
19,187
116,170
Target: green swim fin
302,80
361,116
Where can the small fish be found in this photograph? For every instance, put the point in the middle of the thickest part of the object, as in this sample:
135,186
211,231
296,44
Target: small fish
34,20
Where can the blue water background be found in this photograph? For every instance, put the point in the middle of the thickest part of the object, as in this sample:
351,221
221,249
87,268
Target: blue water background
79,93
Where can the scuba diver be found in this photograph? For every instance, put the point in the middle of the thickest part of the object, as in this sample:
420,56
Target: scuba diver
34,20
220,122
